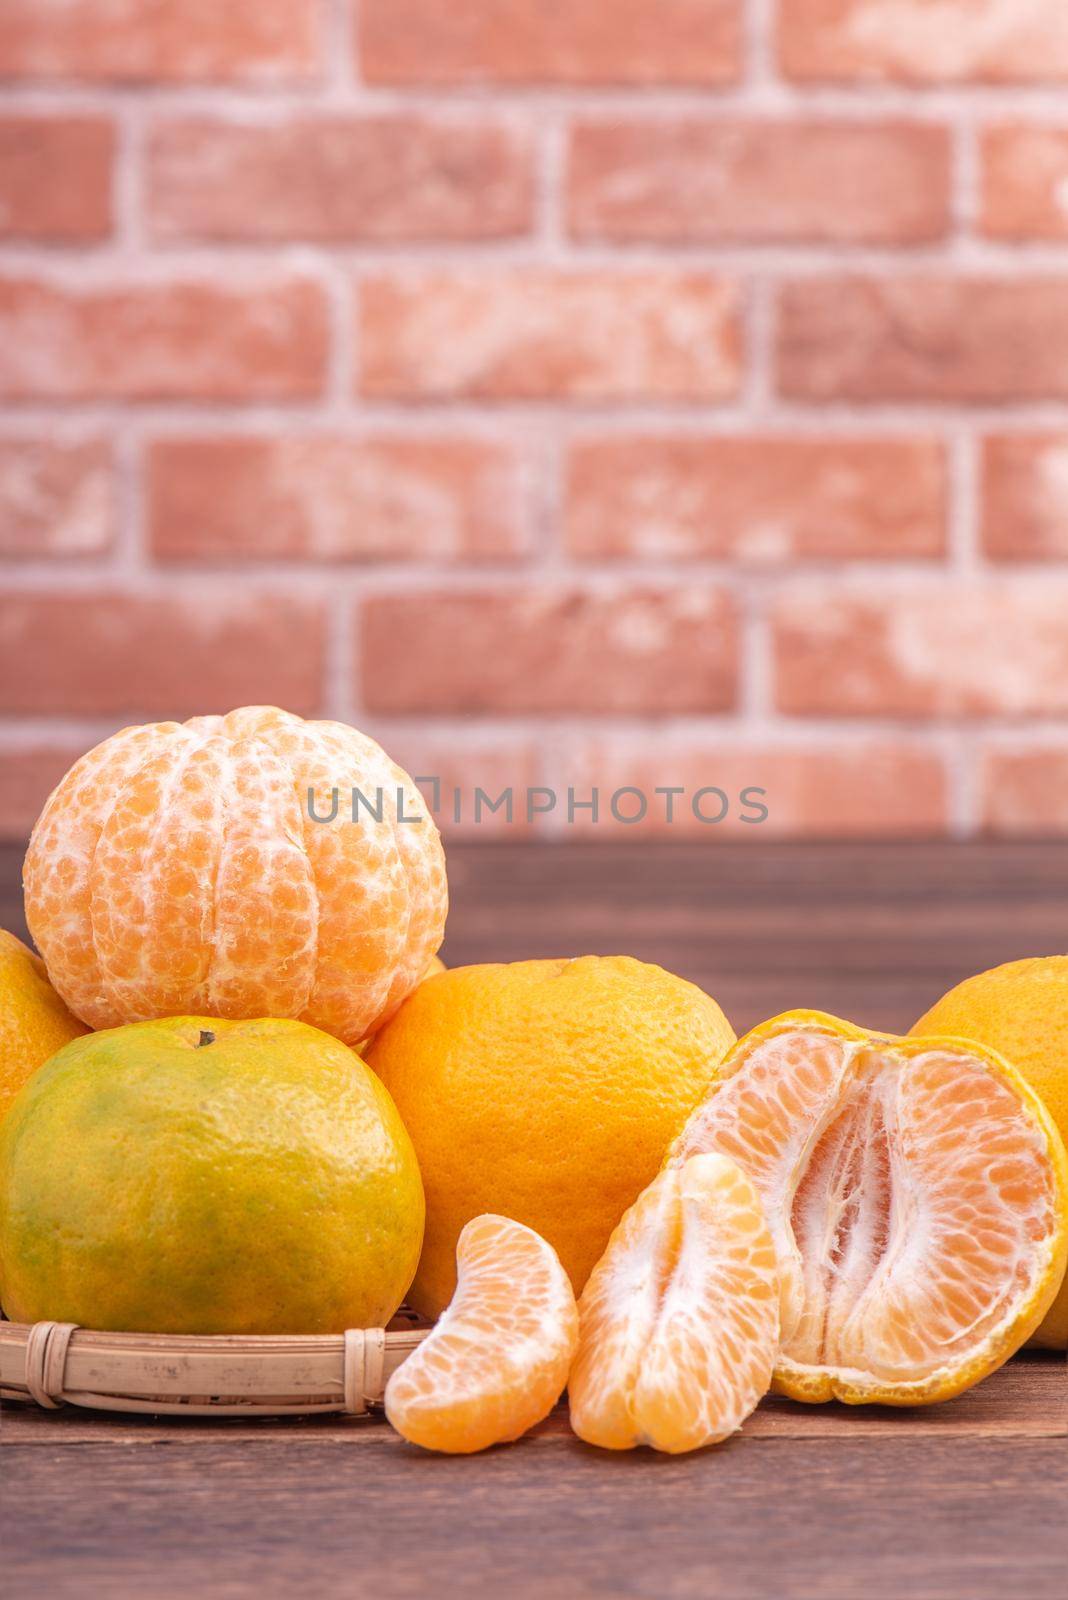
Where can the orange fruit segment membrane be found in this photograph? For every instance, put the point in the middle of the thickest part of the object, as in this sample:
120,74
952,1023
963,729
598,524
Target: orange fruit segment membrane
497,1360
917,1195
679,1321
1021,1010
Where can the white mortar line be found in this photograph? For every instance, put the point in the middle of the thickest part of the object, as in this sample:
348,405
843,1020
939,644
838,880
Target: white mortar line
762,95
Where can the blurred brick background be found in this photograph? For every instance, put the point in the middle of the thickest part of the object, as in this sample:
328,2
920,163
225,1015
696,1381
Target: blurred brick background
618,391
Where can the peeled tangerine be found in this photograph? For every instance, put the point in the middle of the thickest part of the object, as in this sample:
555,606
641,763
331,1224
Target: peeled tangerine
680,1318
240,866
497,1360
917,1195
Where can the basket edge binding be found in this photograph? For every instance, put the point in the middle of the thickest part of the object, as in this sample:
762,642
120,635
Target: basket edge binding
53,1364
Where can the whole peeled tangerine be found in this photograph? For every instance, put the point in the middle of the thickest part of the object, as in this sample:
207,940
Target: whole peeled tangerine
237,866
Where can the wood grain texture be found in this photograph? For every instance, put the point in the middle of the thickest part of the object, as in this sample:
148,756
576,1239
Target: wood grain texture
929,1519
874,933
958,1502
1027,1399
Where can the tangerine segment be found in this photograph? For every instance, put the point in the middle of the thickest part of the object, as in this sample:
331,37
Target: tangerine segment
497,1360
917,1195
679,1322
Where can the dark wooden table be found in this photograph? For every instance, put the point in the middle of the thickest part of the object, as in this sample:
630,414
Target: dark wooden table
961,1502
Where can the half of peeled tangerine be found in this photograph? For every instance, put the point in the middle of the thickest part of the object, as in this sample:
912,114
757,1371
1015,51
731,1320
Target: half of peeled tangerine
497,1359
917,1195
679,1320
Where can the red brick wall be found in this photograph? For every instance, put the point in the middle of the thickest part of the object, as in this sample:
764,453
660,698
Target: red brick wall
666,392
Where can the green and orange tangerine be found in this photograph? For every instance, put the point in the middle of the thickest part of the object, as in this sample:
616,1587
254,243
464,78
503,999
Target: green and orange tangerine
193,1175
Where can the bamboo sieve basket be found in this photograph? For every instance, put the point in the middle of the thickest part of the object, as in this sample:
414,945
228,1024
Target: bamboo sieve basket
55,1363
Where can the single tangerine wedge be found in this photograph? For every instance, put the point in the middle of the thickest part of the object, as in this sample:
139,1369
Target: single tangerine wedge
497,1360
679,1321
917,1195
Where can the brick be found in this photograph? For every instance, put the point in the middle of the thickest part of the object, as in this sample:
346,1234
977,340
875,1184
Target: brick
57,498
527,41
534,334
129,41
925,41
1024,791
887,788
464,763
55,178
28,774
328,498
940,649
148,339
1025,496
1024,187
376,178
759,499
924,337
693,180
549,650
173,655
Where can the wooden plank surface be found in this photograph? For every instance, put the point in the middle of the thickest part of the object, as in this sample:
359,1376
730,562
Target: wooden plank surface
1027,1399
874,933
925,1519
960,1502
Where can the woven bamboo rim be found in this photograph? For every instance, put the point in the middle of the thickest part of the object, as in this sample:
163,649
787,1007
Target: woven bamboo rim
55,1363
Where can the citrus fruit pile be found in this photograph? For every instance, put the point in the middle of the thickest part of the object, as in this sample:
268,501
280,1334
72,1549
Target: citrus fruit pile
241,1094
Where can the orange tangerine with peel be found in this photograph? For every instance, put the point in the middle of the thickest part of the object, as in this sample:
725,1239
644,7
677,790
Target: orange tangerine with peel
546,1091
917,1195
679,1321
34,1022
497,1360
239,866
